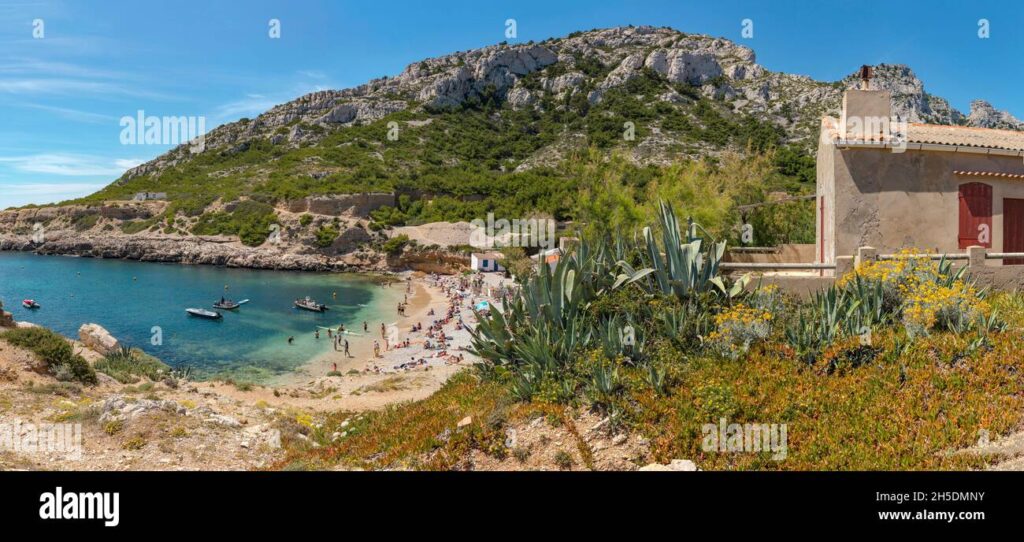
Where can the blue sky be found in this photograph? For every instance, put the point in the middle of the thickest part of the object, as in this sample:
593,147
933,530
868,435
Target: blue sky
62,96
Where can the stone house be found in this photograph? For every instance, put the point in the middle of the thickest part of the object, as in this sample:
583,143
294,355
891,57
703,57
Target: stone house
890,185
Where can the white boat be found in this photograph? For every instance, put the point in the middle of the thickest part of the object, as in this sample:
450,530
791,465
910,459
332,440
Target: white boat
310,305
203,313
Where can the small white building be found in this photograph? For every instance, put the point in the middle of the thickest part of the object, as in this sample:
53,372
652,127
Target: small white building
144,196
486,261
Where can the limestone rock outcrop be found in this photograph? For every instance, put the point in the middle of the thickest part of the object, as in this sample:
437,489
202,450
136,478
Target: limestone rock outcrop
96,338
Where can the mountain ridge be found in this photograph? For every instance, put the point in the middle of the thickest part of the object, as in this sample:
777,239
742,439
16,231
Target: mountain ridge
595,61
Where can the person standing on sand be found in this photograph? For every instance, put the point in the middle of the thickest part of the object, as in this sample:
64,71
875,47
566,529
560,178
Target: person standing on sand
382,330
365,330
376,349
347,355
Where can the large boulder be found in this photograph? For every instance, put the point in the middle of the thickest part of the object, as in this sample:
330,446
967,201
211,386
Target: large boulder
6,319
98,339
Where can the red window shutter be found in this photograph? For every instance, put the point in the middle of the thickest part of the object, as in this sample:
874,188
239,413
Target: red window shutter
1013,229
975,215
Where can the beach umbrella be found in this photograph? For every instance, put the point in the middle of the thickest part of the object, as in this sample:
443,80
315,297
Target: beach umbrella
483,306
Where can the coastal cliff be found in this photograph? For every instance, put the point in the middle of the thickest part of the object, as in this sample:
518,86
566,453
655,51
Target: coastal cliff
141,231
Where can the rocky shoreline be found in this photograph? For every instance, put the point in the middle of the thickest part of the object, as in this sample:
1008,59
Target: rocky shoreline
190,251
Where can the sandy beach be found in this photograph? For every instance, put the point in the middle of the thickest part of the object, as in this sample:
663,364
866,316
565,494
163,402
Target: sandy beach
435,305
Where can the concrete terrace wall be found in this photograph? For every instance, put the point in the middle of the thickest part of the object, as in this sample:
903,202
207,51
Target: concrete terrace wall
985,271
788,253
358,205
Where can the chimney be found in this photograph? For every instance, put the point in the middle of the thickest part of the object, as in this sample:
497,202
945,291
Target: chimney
866,113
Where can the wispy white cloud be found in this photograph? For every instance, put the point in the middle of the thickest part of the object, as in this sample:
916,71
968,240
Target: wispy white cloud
74,114
312,74
127,163
73,87
250,105
254,104
24,66
30,76
70,165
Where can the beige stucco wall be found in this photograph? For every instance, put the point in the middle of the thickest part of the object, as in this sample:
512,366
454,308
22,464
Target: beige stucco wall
892,200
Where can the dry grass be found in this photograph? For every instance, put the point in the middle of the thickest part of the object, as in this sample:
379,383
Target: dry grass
391,383
896,413
419,434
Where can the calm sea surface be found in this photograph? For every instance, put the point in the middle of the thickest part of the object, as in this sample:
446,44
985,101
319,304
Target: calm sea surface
143,305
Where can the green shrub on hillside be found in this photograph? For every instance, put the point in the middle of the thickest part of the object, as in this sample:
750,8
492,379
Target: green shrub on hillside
53,349
251,221
135,226
86,222
395,245
326,235
128,364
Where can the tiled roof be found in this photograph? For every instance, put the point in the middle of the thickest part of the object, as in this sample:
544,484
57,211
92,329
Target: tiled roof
994,174
965,136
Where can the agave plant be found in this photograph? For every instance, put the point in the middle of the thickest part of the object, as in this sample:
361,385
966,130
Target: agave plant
680,266
181,373
546,323
656,378
124,353
604,384
525,384
832,314
870,298
945,275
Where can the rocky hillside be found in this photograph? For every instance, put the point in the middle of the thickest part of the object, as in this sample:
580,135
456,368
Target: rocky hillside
537,77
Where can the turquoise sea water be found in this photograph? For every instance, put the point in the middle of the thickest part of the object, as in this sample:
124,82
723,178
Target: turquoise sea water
137,302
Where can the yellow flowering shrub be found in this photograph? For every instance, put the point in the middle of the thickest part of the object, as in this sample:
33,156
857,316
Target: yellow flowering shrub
766,297
924,296
930,305
897,276
304,419
738,327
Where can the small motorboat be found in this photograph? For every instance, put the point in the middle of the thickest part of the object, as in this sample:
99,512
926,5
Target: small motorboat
203,313
226,304
309,305
30,304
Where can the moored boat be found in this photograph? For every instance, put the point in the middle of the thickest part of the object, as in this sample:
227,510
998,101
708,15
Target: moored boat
226,304
310,305
203,313
30,304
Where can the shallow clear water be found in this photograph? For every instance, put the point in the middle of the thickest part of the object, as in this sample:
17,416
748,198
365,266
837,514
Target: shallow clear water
138,301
